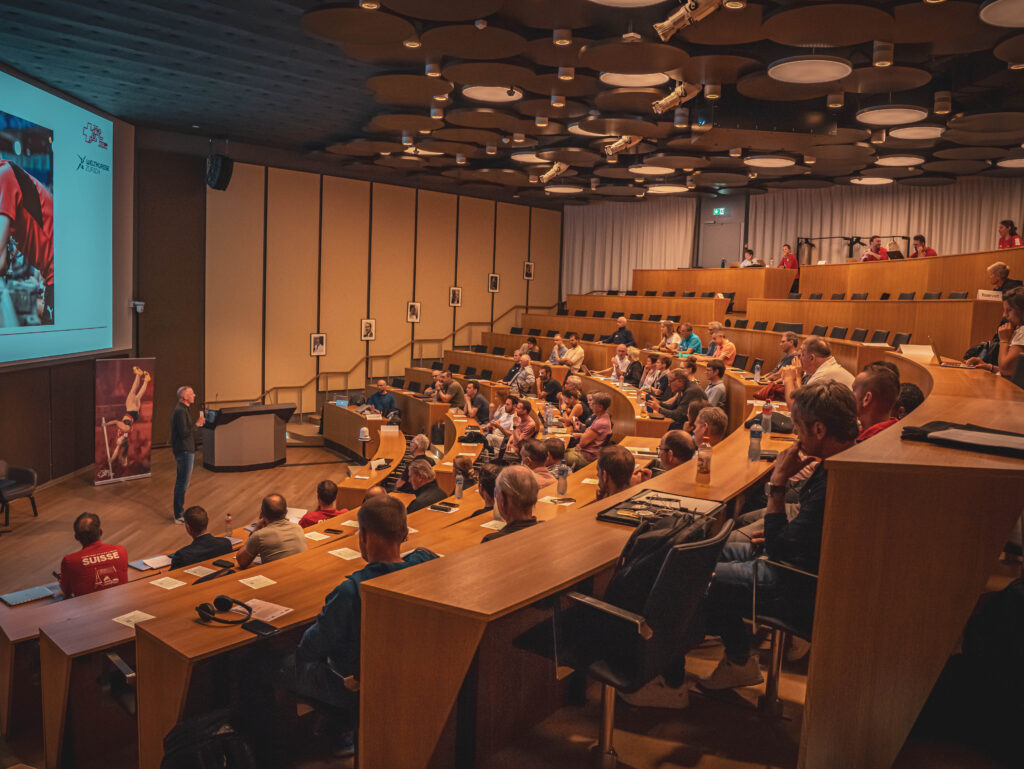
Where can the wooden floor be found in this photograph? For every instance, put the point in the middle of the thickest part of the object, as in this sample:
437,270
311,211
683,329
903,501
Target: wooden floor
137,514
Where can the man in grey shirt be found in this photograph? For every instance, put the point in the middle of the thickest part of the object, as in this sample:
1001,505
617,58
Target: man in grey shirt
522,383
715,391
275,537
451,392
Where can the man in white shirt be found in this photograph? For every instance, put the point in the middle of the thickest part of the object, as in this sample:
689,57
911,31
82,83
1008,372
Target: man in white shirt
501,424
620,363
748,258
814,363
573,357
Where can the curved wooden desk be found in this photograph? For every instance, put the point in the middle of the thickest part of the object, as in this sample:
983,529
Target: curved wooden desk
769,282
391,445
341,429
706,308
454,428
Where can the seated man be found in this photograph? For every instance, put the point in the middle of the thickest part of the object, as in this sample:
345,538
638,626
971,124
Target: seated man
96,566
417,450
329,650
621,335
712,424
382,402
521,385
682,390
204,545
596,436
874,252
909,399
275,537
620,364
547,388
615,466
876,389
435,376
713,326
825,423
486,475
450,391
556,451
326,494
920,248
525,427
725,350
787,344
477,406
502,423
514,369
574,354
535,456
689,342
676,448
814,363
999,279
515,495
558,349
715,391
424,484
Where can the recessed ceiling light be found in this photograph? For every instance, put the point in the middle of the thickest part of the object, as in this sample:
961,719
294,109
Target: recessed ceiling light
882,55
1017,162
557,101
412,42
735,5
712,91
491,149
563,189
1003,13
943,102
369,5
769,161
809,69
919,132
836,100
576,129
495,94
528,157
649,169
432,69
541,121
561,37
870,181
667,189
681,117
891,114
623,80
566,73
899,160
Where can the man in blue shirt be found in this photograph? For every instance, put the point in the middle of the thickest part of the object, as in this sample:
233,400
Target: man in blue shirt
382,401
622,335
326,663
690,343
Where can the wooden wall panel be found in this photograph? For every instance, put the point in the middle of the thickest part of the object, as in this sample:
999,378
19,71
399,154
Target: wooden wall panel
476,257
435,269
24,440
344,278
546,252
511,246
391,271
234,287
293,211
72,411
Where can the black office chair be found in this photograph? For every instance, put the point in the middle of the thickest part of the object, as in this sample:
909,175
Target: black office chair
880,336
550,333
742,322
957,295
932,295
760,325
599,313
624,650
656,317
516,330
668,293
900,339
612,292
588,337
479,348
884,296
740,361
819,330
579,314
398,382
728,323
859,335
631,293
688,294
561,311
636,316
707,294
757,362
840,296
437,365
838,332
498,351
650,293
415,386
794,294
486,374
907,296
454,368
814,296
859,297
674,318
470,372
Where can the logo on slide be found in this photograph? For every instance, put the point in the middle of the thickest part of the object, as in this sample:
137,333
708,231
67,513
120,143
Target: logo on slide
91,166
94,135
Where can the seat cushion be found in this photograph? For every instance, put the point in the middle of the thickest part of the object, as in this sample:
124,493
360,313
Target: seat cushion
15,491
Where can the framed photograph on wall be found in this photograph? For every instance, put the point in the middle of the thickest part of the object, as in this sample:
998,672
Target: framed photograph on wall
527,270
368,330
412,312
494,283
318,344
455,296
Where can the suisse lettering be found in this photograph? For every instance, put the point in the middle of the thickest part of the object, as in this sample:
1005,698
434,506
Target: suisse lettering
92,560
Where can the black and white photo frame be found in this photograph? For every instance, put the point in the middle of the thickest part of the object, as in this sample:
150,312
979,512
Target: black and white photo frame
368,330
527,270
412,312
493,283
455,296
317,345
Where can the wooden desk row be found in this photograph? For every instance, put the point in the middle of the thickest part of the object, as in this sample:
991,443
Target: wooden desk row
700,310
646,332
954,324
499,365
770,283
493,391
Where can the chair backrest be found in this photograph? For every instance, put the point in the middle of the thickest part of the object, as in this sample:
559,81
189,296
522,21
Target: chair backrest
454,368
906,296
516,330
599,313
728,323
884,295
650,293
689,293
414,386
655,317
742,322
795,294
838,332
498,351
859,335
740,361
760,325
587,337
561,312
398,382
631,293
814,296
674,318
437,365
579,313
636,316
550,332
957,294
840,296
479,348
707,294
932,295
819,330
612,292
900,339
533,332
858,297
668,293
880,335
470,372
486,374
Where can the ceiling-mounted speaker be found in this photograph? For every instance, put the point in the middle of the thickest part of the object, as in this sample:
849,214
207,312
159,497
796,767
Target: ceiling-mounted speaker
218,171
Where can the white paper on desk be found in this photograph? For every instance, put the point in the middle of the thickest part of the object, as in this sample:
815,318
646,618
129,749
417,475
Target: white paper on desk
131,619
389,429
167,583
294,514
157,561
200,571
361,477
589,481
413,531
495,525
550,500
447,464
353,524
374,416
257,581
987,440
345,553
317,536
263,610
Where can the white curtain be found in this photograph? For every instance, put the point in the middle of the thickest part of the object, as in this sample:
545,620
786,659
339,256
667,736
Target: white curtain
958,218
603,242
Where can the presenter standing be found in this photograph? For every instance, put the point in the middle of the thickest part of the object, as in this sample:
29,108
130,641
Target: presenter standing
183,444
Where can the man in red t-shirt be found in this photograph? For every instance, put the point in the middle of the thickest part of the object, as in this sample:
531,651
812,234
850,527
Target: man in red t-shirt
26,217
96,566
874,251
326,493
921,248
876,389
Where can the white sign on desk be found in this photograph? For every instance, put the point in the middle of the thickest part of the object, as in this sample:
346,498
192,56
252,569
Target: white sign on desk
990,296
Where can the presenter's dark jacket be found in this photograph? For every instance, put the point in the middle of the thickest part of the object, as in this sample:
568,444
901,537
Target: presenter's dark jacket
182,438
202,547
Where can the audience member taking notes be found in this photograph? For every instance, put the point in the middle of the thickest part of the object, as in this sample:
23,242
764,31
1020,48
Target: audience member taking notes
204,545
96,566
275,537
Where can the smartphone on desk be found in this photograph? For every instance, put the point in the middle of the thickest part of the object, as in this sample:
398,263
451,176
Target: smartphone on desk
333,531
259,627
224,564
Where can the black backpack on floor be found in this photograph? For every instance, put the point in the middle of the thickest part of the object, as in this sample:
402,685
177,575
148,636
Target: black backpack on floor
207,742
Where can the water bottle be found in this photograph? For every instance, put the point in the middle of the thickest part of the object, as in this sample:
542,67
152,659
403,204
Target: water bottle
757,372
766,417
679,351
723,264
639,397
227,522
460,482
548,419
704,463
754,452
563,478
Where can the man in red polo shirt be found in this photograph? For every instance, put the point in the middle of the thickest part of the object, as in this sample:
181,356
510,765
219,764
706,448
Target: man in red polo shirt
326,494
876,389
26,227
96,566
874,252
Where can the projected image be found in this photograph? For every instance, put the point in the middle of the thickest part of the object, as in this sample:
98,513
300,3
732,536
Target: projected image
26,223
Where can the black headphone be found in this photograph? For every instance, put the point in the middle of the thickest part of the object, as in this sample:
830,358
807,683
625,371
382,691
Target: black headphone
208,611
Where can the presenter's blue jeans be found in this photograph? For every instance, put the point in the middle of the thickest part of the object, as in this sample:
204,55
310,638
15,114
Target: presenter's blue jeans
185,460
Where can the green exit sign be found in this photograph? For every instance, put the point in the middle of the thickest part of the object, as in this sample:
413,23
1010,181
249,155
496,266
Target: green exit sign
718,212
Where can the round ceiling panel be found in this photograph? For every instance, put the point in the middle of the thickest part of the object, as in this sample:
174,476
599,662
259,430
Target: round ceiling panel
983,138
487,73
970,153
935,22
399,123
1011,50
758,85
481,117
956,167
401,162
828,25
551,84
632,57
571,109
351,24
465,41
989,122
717,68
468,136
629,100
545,14
545,52
721,179
680,162
928,180
622,127
574,156
732,27
885,79
447,10
614,172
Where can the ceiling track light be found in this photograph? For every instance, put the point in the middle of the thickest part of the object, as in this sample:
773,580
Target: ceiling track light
407,138
878,136
681,117
736,152
712,91
432,69
437,113
562,37
836,100
460,159
412,42
682,92
554,172
557,101
491,149
883,54
566,73
687,14
518,138
943,102
621,144
369,5
541,121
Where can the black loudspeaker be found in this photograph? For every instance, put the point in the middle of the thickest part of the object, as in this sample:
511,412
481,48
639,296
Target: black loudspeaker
218,171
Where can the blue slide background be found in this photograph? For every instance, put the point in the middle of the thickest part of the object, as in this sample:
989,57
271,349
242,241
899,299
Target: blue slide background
82,222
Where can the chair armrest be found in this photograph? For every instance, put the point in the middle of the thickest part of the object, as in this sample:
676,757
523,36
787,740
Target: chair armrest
22,475
642,628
